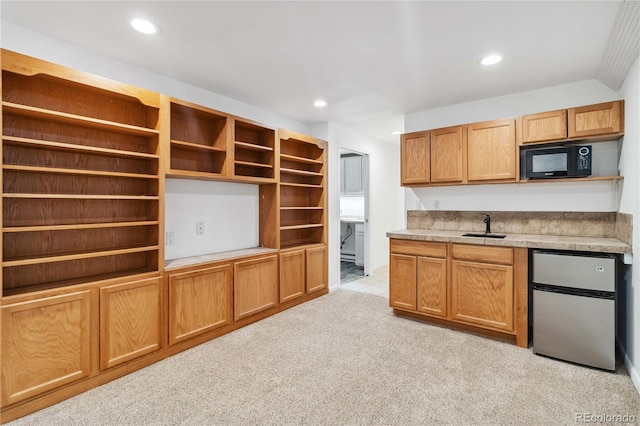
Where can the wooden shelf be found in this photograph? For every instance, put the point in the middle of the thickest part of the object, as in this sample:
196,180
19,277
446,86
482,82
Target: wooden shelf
305,226
80,197
76,256
41,228
35,169
301,172
297,159
197,146
68,147
77,120
302,185
252,147
584,179
250,164
76,281
303,208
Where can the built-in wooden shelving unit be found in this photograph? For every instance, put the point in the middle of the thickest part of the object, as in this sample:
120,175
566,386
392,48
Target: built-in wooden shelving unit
254,151
302,190
199,141
80,195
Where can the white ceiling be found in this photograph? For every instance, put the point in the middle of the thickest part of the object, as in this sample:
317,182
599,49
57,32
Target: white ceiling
372,61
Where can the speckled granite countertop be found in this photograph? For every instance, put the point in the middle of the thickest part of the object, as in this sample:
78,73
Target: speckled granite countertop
216,257
557,242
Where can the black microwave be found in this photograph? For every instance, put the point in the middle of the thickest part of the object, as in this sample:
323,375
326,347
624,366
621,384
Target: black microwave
558,162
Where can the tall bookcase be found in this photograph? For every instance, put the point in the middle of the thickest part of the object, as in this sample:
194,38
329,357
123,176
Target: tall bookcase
81,191
303,217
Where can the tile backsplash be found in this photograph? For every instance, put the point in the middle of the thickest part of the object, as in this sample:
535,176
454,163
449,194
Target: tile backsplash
583,224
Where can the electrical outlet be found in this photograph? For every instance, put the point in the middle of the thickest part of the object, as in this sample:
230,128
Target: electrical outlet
436,204
199,228
169,238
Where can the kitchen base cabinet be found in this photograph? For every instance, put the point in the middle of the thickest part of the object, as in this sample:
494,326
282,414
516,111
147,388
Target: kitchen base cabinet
46,343
470,287
199,301
255,286
482,294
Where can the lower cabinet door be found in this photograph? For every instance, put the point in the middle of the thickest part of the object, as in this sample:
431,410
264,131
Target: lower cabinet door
46,344
432,286
482,294
255,286
292,275
402,281
317,269
199,301
129,321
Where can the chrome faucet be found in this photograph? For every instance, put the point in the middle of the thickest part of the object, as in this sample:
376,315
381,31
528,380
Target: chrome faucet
487,221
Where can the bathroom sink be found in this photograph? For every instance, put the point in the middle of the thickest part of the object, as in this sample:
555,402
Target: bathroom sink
481,235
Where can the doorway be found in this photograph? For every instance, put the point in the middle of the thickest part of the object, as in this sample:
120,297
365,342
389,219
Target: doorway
354,214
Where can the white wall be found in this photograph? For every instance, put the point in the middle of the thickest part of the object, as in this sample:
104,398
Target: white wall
579,196
630,203
229,212
386,204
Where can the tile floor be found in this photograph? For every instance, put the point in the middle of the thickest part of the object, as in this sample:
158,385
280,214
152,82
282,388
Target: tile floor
376,284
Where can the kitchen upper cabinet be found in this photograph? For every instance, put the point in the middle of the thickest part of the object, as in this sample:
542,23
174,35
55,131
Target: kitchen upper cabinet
415,154
255,286
600,119
482,286
448,156
491,151
351,175
546,126
129,321
199,301
46,343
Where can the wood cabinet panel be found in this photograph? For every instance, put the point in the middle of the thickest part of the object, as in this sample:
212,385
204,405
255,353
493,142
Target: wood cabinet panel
415,158
599,119
129,321
402,279
432,286
255,286
45,345
546,126
447,155
199,301
292,275
482,294
489,254
418,248
317,276
491,151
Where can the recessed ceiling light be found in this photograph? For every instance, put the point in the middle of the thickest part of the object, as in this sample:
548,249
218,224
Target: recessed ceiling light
144,26
491,60
320,103
396,132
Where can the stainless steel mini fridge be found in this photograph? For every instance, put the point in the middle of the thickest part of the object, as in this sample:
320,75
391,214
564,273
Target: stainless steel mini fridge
574,307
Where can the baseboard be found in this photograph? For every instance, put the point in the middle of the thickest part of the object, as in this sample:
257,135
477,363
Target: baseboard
633,373
381,269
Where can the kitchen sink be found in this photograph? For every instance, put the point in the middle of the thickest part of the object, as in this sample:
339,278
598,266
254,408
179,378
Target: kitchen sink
481,235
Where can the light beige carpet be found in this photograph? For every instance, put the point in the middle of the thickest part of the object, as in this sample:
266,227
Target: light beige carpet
345,359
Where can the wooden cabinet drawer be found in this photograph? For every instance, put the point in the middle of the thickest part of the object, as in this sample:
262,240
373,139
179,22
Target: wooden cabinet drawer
419,248
490,254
